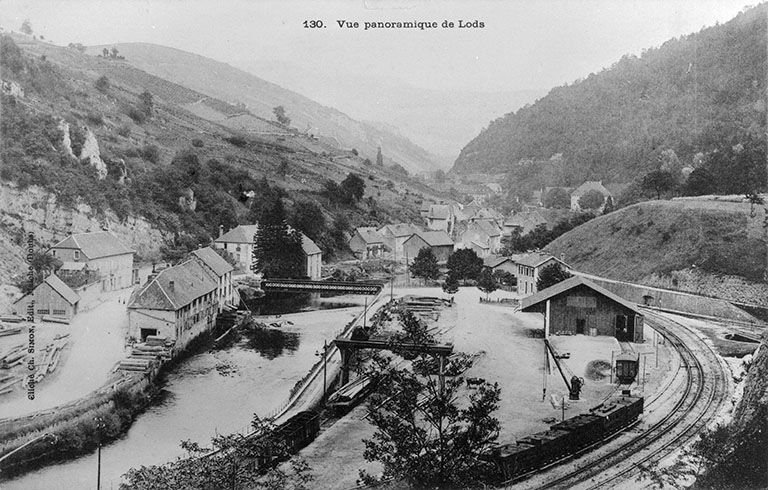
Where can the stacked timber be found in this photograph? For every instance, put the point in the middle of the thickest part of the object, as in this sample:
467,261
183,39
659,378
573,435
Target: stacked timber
56,319
11,318
8,382
350,394
147,355
9,330
13,357
425,306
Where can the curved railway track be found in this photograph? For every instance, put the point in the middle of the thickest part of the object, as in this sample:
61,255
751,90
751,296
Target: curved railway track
703,393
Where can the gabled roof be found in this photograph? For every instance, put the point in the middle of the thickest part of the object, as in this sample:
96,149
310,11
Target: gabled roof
470,210
569,284
535,259
246,234
590,185
616,189
488,228
369,234
425,205
482,245
400,229
65,291
434,238
494,261
239,234
439,211
190,279
310,247
95,245
213,260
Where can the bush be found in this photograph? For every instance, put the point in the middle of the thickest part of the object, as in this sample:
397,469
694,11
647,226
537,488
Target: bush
124,130
102,84
197,143
95,119
136,114
237,140
150,153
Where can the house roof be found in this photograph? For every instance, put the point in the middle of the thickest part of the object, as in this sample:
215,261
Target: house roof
439,211
567,285
494,261
434,238
400,229
190,279
470,210
616,189
213,260
590,185
65,291
482,245
425,206
369,234
95,245
245,234
488,228
239,234
310,247
535,259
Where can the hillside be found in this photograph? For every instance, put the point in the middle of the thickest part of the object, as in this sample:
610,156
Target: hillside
222,81
690,95
129,154
709,247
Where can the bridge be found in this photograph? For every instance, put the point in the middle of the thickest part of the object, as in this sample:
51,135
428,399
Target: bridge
310,286
347,347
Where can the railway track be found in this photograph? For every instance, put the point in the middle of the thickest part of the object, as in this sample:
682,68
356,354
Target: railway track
703,393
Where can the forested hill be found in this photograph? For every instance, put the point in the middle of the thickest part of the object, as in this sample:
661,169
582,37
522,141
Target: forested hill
689,95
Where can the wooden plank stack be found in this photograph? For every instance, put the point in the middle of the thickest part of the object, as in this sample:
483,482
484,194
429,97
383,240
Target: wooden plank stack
147,355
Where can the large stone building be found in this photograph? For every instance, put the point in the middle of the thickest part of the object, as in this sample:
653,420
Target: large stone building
178,303
239,241
366,242
529,267
102,252
226,293
395,236
579,306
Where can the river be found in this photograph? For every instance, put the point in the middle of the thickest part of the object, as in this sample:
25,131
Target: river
214,391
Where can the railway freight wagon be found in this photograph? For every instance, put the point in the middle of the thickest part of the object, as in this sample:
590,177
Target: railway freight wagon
566,437
288,437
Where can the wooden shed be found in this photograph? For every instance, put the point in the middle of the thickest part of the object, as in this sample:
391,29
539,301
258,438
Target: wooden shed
579,306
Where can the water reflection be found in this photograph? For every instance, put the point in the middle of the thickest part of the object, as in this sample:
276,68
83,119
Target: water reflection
270,343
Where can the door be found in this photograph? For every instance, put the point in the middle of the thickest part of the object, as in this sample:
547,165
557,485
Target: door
580,325
145,332
621,328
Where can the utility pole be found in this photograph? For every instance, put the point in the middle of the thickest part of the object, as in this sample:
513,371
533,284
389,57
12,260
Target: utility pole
365,311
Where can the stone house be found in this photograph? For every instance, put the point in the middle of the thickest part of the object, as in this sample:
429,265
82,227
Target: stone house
102,252
240,240
482,236
178,303
439,241
395,235
529,266
226,294
366,242
495,263
584,188
441,218
579,306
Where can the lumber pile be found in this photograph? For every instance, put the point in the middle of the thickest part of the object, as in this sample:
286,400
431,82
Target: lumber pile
147,355
9,330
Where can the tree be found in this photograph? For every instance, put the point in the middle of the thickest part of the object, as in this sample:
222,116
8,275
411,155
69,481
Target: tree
114,52
352,188
277,250
105,53
591,199
235,465
308,218
26,27
425,265
451,284
42,265
699,183
659,182
282,169
486,282
464,264
146,104
280,115
504,278
556,198
609,205
551,275
424,437
102,84
379,158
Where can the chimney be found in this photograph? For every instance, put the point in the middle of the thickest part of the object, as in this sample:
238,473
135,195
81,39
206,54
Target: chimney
221,230
170,285
151,277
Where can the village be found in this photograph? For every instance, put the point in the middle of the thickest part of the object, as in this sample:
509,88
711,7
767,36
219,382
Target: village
139,317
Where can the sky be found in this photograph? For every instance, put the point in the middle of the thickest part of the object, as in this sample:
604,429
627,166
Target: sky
524,45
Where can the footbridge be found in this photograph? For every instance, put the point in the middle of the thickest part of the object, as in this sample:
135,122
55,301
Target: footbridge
310,286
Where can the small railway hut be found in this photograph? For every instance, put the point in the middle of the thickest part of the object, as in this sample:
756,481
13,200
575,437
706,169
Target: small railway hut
579,306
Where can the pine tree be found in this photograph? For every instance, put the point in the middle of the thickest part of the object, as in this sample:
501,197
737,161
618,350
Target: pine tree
277,250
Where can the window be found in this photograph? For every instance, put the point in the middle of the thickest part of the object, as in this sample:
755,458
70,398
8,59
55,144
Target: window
77,254
53,252
43,311
59,312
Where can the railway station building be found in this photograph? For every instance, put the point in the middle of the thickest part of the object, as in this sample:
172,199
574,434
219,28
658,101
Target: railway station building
579,306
